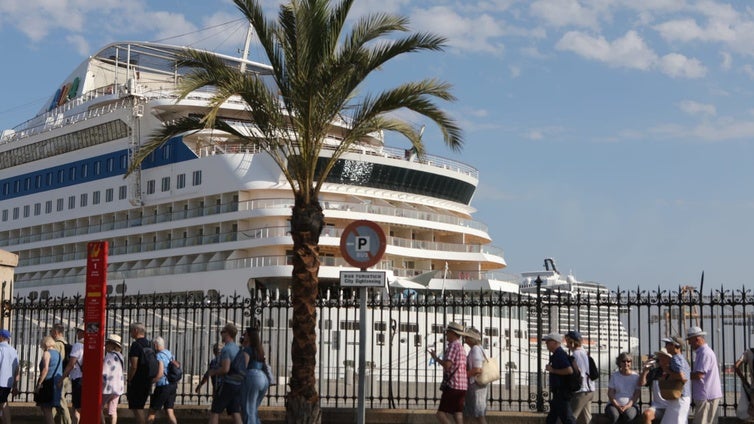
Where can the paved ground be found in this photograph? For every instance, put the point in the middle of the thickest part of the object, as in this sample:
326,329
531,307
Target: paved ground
25,413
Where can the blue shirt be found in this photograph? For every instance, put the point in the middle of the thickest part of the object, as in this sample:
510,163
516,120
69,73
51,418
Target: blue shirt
230,350
678,364
56,368
8,365
165,357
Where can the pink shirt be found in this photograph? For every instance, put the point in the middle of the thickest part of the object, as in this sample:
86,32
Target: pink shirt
457,355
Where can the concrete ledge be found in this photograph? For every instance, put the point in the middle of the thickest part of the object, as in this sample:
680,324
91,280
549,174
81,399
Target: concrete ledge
27,413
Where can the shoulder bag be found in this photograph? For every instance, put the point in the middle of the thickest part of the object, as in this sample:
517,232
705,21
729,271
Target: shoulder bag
670,389
490,371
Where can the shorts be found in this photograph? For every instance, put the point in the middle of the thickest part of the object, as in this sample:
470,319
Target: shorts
4,392
475,404
137,394
163,397
452,401
76,393
227,398
110,404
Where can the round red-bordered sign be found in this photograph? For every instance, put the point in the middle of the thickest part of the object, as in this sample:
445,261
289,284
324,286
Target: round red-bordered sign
362,243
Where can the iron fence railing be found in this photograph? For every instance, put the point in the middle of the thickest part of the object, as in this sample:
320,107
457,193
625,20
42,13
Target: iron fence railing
402,326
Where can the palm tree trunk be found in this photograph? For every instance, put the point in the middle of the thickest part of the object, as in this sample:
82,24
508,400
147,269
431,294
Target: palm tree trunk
302,405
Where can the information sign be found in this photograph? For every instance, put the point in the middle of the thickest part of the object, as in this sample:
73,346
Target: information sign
363,278
94,330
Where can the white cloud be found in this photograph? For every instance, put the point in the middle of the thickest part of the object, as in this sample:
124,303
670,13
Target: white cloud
680,30
748,70
677,65
561,13
481,33
695,108
82,46
727,62
629,51
515,71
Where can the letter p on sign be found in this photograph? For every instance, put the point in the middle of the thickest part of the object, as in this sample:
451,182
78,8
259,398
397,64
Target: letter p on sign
362,243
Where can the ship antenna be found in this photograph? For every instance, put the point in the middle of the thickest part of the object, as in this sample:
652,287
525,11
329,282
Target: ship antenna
246,45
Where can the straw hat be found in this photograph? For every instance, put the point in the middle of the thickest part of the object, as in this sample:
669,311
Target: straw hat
456,328
114,338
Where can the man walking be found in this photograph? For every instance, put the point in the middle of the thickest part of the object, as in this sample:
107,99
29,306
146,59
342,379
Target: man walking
61,413
8,374
228,396
139,382
73,371
164,391
454,372
706,390
560,369
677,410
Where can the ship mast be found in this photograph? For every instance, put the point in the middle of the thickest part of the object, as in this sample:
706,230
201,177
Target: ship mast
245,53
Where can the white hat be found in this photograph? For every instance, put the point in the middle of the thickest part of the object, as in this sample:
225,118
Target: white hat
695,332
456,328
473,333
556,337
115,339
663,351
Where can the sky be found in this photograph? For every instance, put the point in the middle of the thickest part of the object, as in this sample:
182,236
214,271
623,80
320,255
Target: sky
615,136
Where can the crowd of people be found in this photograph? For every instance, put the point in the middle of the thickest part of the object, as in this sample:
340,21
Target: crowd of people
674,384
237,374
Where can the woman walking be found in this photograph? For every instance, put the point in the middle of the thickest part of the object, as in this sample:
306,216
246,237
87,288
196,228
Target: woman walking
475,406
256,384
112,375
47,393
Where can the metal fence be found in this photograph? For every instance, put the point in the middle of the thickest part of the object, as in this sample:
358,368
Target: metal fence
401,328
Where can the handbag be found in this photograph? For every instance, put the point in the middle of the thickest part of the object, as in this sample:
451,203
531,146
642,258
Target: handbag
670,389
490,371
270,376
445,384
46,393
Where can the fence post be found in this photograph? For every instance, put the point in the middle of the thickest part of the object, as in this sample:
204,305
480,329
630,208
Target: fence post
540,380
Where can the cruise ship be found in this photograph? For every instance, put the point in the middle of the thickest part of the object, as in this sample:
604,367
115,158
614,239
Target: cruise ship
569,304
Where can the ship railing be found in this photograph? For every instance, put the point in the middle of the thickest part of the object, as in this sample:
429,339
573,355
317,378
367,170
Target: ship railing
401,328
106,222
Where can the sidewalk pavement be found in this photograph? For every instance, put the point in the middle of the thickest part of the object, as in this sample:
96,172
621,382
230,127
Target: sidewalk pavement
27,413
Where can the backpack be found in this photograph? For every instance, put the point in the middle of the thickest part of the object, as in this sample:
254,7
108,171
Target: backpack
175,372
594,372
149,362
573,381
237,371
66,354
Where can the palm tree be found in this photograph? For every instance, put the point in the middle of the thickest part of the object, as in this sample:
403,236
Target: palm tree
317,67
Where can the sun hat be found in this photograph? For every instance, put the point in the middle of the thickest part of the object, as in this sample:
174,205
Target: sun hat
664,352
473,333
695,332
574,335
5,334
675,340
456,328
79,327
114,338
556,337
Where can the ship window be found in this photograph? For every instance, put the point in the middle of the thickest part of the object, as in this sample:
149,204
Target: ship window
109,164
15,213
123,161
517,334
492,332
122,192
109,195
38,181
61,175
71,202
197,178
97,167
180,181
27,211
165,183
408,327
380,339
325,324
27,183
84,170
95,198
59,205
72,173
417,340
17,186
349,325
335,340
5,215
438,329
49,178
380,326
150,187
6,189
48,206
166,152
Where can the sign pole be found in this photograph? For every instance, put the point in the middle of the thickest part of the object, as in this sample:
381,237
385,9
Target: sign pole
362,245
94,330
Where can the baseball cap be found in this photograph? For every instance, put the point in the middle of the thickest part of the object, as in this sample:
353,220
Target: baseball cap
5,334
